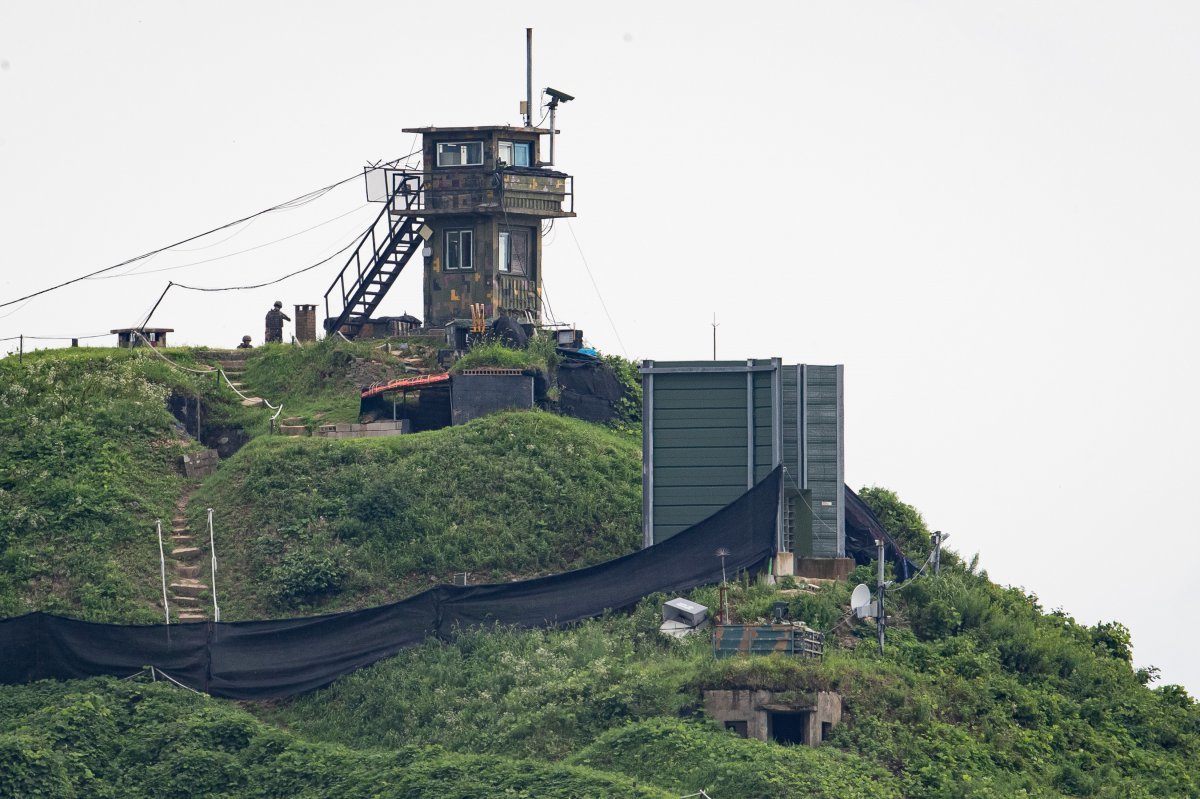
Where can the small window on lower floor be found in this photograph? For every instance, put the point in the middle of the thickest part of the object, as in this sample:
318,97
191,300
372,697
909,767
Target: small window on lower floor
460,249
739,727
514,251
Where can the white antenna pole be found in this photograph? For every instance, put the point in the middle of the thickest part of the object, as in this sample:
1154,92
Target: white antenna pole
212,547
714,327
880,614
162,567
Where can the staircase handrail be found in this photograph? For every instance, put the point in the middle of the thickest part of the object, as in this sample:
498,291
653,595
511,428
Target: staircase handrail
405,199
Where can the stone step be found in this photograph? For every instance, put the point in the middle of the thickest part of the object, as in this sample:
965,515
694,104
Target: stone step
187,571
185,600
182,540
253,402
188,588
293,429
236,386
293,420
193,617
178,520
185,553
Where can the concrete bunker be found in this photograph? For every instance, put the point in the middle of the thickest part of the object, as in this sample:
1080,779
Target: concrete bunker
775,716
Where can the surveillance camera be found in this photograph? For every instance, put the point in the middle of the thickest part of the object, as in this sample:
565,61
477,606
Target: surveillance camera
562,97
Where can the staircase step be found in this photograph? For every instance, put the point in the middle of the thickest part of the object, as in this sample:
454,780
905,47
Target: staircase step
185,553
293,429
193,617
253,402
180,540
178,520
186,601
188,571
189,588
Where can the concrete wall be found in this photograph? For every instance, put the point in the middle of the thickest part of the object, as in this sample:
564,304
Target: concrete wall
198,464
754,708
475,395
395,427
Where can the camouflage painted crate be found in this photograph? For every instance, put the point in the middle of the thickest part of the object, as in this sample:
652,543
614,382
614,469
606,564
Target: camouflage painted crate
766,639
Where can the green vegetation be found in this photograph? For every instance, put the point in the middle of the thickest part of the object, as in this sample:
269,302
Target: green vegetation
539,354
981,693
88,455
311,524
317,382
108,739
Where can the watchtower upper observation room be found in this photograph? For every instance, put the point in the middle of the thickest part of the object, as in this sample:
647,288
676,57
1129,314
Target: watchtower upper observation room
490,169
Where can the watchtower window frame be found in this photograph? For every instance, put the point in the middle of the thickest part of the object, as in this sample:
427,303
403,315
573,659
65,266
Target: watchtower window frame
459,249
459,153
515,153
516,262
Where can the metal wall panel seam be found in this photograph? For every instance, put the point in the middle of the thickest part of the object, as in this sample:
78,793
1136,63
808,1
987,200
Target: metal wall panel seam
749,425
648,460
841,461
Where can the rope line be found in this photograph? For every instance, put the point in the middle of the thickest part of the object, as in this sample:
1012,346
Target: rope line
221,372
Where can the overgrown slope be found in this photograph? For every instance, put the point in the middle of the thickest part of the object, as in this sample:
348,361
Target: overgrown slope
88,455
980,693
311,524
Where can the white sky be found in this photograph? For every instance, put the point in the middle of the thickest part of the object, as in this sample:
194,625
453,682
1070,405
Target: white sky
986,211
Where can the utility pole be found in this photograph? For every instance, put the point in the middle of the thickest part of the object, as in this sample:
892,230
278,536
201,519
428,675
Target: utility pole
880,613
936,539
714,327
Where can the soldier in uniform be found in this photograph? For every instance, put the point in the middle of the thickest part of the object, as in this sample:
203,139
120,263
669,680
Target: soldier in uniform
245,345
275,320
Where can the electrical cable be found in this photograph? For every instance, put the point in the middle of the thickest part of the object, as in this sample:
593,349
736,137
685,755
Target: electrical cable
310,267
356,209
599,296
295,202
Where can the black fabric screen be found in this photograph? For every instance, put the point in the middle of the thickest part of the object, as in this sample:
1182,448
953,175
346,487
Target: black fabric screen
271,659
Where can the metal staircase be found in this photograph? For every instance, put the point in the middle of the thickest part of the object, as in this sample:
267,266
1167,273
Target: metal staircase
396,235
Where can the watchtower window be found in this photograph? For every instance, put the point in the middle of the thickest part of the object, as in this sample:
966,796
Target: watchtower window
514,251
460,249
516,153
460,153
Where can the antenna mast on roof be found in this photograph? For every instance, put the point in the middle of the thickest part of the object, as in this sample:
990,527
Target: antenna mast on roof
528,105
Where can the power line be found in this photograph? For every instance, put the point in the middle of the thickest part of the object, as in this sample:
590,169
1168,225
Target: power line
356,209
321,262
599,296
295,202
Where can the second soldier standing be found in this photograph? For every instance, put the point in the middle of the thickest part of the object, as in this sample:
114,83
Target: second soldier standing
275,320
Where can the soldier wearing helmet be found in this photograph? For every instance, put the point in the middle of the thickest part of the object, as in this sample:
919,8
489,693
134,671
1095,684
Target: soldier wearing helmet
275,320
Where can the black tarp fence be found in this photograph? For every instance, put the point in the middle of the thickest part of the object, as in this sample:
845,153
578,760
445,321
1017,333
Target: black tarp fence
273,659
863,529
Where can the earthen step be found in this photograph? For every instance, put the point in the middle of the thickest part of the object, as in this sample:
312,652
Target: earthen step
293,429
187,571
188,588
182,540
178,520
185,600
193,617
185,553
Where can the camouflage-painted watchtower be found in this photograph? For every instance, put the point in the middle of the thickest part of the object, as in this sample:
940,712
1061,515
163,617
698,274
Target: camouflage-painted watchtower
474,212
486,196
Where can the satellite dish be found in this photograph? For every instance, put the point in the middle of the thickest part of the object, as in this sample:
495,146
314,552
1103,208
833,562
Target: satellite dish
861,597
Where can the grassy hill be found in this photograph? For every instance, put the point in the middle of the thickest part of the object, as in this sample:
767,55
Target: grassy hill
981,693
